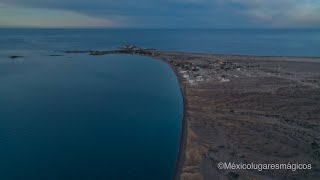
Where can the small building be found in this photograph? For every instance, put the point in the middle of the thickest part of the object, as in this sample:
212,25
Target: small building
191,81
186,75
199,78
183,72
222,79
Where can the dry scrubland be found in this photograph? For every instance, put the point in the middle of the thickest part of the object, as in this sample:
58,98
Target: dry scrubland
249,109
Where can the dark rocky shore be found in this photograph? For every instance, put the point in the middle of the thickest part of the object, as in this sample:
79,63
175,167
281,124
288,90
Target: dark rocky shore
244,109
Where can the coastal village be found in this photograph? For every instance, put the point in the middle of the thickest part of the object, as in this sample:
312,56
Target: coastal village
220,70
199,71
193,72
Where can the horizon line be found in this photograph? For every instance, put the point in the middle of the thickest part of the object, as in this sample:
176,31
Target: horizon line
166,28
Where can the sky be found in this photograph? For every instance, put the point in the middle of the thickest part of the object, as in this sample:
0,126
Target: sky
161,13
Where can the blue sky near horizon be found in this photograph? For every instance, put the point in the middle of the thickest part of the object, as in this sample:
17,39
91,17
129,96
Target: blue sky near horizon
161,13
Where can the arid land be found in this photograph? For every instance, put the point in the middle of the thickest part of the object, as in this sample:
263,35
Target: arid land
245,109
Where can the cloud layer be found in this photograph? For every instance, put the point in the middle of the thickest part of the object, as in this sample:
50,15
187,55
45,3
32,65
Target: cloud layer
170,13
282,13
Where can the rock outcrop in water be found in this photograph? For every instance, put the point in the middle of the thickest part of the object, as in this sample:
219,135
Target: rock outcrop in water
15,57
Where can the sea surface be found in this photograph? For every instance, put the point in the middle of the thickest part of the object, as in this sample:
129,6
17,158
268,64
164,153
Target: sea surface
81,118
275,42
84,117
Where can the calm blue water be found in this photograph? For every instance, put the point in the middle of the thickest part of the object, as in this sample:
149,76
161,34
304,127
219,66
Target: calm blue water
107,117
294,42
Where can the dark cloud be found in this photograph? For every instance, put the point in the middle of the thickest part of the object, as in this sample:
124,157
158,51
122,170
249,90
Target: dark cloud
190,13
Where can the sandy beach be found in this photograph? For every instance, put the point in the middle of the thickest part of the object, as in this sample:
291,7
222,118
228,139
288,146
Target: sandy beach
245,109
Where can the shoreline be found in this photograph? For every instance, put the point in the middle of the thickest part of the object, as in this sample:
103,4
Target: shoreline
243,57
183,136
223,112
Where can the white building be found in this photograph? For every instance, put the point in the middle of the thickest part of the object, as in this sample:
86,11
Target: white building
191,81
186,75
183,72
199,78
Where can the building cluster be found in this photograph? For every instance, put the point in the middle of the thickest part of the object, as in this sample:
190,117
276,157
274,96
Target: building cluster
222,71
189,71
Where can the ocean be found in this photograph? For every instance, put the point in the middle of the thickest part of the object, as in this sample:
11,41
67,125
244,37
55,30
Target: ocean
80,117
273,42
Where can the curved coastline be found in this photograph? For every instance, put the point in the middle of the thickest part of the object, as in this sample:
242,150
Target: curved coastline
183,136
239,79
